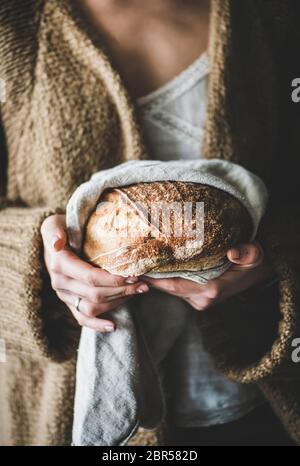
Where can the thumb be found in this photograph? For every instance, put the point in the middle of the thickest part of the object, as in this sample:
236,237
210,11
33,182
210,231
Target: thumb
246,255
54,232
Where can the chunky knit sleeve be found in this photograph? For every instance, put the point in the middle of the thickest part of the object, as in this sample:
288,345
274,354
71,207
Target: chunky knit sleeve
29,322
32,319
251,335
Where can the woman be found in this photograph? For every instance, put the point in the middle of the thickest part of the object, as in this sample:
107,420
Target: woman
77,81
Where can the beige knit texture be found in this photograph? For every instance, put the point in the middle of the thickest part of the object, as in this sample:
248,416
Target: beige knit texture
68,115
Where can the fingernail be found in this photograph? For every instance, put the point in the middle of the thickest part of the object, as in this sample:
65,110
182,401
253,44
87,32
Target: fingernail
236,253
132,280
55,241
143,288
109,328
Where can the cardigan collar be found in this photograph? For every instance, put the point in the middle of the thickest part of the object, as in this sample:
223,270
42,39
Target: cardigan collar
95,58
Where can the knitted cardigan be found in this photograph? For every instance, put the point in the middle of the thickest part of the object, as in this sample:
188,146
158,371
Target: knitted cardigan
67,114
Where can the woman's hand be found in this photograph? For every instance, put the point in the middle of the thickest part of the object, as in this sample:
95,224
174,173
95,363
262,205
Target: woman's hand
249,269
72,278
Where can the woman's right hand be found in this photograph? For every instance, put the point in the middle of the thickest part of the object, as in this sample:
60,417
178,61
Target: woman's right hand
72,278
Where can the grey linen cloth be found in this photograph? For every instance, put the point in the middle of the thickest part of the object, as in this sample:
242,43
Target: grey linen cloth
119,383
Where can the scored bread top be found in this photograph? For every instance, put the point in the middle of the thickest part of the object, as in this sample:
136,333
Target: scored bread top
226,220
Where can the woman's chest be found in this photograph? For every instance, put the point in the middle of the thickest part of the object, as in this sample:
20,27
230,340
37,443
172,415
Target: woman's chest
148,46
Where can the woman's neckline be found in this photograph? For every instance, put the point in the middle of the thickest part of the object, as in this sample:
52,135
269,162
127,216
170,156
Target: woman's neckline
202,62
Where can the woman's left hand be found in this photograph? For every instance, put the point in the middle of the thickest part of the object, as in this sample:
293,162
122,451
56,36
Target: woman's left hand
249,269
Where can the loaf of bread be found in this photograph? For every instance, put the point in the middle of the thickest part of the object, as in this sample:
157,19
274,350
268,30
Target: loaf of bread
124,237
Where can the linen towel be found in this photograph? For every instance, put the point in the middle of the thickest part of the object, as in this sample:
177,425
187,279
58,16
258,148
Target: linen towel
118,382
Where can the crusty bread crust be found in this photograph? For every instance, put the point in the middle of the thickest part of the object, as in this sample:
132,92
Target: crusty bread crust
121,239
